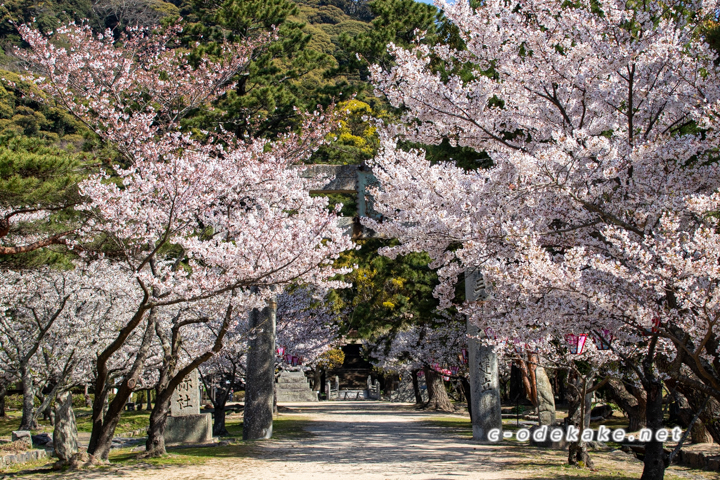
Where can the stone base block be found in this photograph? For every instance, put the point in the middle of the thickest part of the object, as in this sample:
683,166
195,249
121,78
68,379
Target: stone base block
548,443
29,456
189,429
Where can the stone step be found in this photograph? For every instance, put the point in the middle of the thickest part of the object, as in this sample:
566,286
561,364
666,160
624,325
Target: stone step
304,397
292,380
293,386
286,388
352,395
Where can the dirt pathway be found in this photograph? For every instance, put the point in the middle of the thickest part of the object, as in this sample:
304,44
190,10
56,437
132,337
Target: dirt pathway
376,441
353,440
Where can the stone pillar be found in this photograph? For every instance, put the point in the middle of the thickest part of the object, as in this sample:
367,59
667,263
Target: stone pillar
546,398
260,379
483,368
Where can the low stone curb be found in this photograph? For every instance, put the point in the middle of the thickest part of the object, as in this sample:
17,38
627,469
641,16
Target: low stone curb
700,460
142,432
29,456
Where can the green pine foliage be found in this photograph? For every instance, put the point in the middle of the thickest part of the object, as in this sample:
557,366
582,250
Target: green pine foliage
43,157
34,174
286,76
395,21
386,295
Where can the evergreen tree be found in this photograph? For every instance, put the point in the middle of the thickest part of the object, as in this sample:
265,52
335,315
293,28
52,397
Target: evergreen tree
284,77
41,164
38,195
387,295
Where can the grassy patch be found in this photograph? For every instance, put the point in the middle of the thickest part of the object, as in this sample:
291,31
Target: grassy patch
458,426
603,471
27,468
180,455
285,427
291,427
10,422
129,421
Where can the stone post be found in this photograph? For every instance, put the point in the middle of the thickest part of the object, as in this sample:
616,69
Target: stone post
483,368
260,380
546,398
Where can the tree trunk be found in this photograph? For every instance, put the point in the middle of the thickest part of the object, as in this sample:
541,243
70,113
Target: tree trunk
532,363
149,399
710,417
633,402
517,390
170,378
580,405
654,456
45,408
683,414
101,437
105,421
527,382
28,406
317,377
155,444
468,395
700,434
3,393
416,387
219,415
437,395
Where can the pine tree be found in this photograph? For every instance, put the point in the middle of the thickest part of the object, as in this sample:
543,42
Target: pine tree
285,76
41,164
38,196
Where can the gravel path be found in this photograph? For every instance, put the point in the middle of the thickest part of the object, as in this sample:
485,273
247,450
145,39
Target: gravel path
378,441
352,440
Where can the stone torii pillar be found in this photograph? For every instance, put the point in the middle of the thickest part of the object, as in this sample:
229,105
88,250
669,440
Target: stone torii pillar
483,367
260,379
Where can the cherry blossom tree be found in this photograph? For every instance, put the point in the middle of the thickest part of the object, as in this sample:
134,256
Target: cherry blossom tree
52,324
189,336
436,350
193,218
307,326
599,211
224,373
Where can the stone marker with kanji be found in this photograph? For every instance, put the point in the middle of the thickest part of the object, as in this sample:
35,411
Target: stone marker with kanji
185,423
